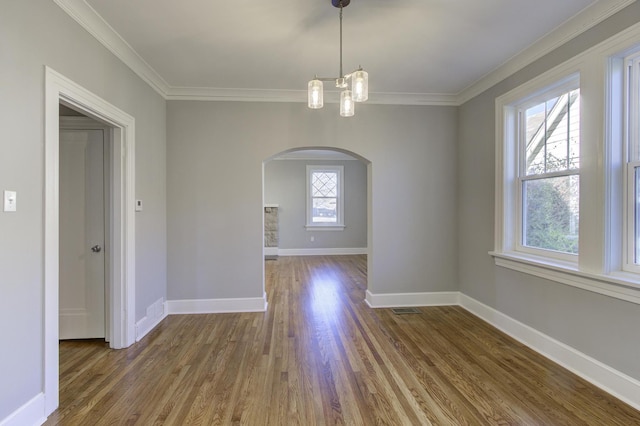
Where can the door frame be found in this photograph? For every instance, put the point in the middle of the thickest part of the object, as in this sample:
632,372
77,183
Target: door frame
59,89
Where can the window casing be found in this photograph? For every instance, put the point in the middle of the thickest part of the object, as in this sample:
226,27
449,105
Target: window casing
608,76
545,164
325,197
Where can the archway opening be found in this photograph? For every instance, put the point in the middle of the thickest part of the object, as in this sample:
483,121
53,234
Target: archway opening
317,201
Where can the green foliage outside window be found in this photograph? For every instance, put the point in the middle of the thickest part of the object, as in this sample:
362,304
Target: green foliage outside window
550,222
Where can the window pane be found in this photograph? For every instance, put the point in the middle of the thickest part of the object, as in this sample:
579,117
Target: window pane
324,184
636,216
324,210
552,131
551,213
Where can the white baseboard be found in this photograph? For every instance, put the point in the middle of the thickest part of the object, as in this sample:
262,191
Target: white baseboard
322,251
31,413
271,251
618,384
397,300
217,306
155,313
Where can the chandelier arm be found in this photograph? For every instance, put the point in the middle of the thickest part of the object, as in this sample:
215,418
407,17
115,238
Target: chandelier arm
357,78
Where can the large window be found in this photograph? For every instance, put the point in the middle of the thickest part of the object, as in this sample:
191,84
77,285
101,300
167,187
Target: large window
567,195
540,185
325,189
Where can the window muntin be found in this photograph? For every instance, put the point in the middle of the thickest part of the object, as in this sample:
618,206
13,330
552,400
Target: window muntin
325,187
548,173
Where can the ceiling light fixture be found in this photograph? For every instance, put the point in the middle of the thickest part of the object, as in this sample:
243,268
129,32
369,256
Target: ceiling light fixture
355,84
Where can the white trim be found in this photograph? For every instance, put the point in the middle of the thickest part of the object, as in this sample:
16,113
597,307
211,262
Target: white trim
317,227
340,197
122,328
322,251
271,251
156,312
31,413
100,29
300,96
217,306
619,286
597,268
572,28
393,300
618,384
90,20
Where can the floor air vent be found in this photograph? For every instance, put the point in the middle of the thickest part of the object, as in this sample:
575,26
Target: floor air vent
404,311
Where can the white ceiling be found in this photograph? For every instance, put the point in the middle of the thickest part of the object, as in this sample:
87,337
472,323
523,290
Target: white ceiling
423,51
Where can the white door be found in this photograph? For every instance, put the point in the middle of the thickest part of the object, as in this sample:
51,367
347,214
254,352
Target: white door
82,234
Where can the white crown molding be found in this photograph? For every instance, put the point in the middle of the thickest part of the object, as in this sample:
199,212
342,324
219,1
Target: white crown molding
237,95
91,21
262,95
570,29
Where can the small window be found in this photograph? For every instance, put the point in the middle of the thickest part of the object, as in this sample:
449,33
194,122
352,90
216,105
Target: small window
325,197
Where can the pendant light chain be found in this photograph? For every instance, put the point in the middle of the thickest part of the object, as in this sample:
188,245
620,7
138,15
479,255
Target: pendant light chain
341,74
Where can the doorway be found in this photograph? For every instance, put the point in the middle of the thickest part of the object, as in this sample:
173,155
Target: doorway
121,269
286,187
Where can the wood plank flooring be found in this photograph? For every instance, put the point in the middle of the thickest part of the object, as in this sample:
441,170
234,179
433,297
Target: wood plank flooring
320,356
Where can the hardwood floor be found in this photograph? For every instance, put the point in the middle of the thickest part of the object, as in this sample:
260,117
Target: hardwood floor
321,356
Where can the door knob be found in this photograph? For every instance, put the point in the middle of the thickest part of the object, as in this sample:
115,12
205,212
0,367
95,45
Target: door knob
96,249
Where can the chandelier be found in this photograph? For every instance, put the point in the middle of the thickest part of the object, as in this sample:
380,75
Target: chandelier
355,84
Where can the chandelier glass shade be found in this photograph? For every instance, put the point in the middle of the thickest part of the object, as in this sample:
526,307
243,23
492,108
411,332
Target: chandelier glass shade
355,84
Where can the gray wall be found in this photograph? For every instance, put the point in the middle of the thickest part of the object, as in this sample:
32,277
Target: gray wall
208,159
599,326
35,33
285,185
214,179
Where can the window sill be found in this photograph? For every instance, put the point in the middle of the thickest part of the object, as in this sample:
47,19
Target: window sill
325,227
619,285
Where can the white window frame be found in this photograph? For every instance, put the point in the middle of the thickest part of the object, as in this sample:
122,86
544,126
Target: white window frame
513,174
602,264
631,156
339,225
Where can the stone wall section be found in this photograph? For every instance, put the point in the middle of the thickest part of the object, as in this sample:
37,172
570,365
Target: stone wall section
271,227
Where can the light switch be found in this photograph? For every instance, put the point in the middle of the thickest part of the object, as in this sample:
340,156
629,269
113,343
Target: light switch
10,200
138,205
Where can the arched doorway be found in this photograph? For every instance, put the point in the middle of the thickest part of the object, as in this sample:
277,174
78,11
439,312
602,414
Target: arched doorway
328,216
